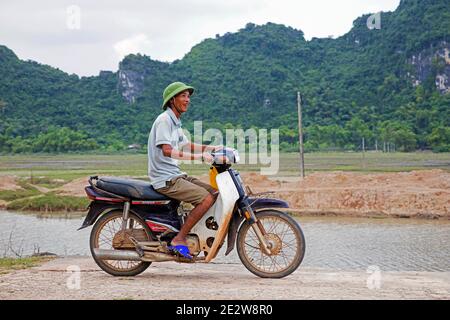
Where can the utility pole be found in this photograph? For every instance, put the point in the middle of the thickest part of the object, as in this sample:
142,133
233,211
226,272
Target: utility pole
363,153
300,135
3,106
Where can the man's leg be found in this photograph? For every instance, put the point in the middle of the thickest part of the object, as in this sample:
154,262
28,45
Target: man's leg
193,217
198,195
200,183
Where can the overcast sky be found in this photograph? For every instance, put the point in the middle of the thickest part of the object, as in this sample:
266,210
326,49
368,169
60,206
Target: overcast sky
86,36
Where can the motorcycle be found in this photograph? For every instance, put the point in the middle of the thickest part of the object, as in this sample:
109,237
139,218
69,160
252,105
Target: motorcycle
134,224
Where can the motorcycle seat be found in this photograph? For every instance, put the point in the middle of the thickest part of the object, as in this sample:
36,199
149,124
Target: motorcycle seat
130,188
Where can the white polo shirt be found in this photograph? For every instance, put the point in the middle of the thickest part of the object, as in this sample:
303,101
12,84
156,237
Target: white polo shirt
165,130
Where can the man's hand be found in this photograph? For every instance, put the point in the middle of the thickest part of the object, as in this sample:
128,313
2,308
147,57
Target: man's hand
215,148
197,148
206,157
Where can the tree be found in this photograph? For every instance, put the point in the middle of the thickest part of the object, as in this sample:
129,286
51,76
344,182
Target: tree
357,131
399,134
439,139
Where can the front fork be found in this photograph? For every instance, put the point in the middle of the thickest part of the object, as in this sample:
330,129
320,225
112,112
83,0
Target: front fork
256,225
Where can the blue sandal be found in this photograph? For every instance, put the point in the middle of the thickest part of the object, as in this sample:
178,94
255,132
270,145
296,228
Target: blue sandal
182,250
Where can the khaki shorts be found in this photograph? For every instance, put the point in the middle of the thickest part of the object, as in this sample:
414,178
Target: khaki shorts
187,189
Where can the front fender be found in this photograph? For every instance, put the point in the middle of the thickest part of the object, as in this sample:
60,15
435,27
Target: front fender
259,203
95,210
236,221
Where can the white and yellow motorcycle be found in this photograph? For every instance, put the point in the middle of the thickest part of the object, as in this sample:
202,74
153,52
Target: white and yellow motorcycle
134,225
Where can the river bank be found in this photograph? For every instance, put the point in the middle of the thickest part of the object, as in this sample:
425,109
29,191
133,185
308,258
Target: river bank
8,265
423,194
80,278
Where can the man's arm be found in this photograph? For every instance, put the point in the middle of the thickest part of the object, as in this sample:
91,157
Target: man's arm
200,148
173,153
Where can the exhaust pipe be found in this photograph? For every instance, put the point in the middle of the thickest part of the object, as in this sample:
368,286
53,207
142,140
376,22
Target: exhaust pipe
158,257
105,254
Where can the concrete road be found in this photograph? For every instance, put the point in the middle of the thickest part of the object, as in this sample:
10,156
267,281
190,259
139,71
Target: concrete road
59,279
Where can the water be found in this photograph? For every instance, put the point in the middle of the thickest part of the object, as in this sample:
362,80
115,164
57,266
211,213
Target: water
26,234
391,244
331,242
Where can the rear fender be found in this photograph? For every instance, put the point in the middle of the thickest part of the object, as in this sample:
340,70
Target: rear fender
96,209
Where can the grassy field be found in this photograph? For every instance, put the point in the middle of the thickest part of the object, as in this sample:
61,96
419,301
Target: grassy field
53,170
11,264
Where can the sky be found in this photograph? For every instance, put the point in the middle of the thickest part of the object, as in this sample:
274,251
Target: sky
87,36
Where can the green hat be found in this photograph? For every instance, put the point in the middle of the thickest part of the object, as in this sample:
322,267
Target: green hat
173,89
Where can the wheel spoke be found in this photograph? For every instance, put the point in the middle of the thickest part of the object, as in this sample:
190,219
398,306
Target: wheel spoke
251,246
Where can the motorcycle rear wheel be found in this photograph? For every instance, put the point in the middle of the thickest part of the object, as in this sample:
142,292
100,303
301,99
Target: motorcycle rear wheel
287,245
102,235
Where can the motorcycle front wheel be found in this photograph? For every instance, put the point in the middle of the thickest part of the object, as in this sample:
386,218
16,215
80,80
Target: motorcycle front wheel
285,240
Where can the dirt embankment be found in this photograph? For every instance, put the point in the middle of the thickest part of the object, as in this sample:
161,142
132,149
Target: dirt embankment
9,183
416,194
74,188
420,194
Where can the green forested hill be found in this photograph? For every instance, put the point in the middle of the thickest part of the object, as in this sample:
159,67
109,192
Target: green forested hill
386,85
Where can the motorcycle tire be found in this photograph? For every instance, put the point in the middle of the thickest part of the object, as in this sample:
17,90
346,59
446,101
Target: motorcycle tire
249,254
140,266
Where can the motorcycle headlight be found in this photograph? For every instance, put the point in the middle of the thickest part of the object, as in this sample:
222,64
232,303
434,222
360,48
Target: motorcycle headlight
227,156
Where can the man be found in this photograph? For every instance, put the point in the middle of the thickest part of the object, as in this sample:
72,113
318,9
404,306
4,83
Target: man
167,144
